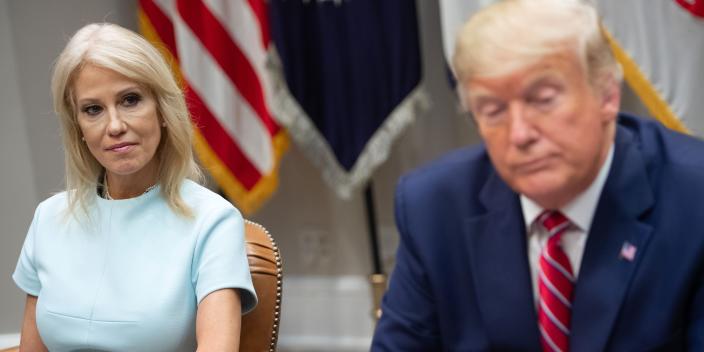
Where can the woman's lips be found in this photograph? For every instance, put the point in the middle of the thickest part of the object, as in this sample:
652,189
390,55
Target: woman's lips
121,148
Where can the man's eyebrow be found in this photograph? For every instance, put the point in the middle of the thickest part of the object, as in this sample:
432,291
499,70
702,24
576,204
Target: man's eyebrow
479,94
482,95
481,100
542,80
484,99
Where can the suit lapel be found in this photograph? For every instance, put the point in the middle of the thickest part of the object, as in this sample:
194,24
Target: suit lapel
499,262
605,274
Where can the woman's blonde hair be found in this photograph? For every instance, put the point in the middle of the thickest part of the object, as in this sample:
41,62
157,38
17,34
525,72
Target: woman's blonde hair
118,49
513,34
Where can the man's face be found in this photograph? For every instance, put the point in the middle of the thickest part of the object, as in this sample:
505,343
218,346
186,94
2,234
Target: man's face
546,129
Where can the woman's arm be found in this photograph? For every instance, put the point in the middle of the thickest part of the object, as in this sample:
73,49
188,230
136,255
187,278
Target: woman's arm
218,321
30,339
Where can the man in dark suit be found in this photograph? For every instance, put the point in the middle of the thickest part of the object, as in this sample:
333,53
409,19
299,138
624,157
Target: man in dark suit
572,227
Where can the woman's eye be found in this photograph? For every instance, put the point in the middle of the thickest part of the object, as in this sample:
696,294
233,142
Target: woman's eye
92,110
131,99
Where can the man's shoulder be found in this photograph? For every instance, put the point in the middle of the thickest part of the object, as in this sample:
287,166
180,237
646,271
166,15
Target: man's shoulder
674,160
452,165
464,170
661,144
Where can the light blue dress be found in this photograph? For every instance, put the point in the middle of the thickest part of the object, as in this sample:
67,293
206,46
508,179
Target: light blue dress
130,278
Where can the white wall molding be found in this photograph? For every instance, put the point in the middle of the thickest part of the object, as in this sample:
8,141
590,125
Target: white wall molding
326,313
9,340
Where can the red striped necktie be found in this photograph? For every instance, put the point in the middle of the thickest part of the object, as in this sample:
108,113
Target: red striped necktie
555,285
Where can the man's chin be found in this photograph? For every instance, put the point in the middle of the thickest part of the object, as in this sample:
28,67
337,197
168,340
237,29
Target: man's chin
544,192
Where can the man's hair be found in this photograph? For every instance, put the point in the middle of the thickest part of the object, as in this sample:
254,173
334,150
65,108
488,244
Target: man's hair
118,49
513,34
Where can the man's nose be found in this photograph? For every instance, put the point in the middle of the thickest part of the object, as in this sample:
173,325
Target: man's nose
522,132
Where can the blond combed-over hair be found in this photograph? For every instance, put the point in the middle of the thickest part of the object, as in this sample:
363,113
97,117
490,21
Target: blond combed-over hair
512,34
118,49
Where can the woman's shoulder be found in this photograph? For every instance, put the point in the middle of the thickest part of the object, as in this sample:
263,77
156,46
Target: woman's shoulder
201,198
55,203
51,209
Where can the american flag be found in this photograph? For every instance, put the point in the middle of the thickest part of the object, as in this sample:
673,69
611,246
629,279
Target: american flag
219,50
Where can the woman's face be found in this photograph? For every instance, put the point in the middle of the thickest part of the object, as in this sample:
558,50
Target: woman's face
119,122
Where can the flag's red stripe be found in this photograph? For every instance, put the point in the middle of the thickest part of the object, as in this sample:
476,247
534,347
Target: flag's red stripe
260,10
696,7
228,55
221,142
162,25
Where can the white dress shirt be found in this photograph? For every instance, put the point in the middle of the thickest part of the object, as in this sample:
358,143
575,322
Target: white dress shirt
579,211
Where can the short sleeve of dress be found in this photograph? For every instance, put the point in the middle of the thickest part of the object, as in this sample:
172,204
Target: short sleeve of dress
220,259
25,275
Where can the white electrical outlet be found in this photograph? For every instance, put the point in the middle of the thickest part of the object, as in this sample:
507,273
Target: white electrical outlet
314,247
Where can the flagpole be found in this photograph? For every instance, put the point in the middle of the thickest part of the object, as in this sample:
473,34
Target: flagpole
377,278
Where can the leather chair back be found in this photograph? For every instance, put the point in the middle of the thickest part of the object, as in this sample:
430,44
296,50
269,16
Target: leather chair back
260,327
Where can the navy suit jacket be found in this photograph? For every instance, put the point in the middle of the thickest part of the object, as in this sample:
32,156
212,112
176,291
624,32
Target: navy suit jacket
462,282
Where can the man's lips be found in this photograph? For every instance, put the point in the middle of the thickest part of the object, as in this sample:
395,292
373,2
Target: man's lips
120,147
532,165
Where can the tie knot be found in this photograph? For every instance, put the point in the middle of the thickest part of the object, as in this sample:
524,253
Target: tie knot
553,221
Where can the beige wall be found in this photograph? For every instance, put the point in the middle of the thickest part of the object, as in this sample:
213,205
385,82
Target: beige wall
17,187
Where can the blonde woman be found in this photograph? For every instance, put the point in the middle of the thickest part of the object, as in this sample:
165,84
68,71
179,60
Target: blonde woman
134,255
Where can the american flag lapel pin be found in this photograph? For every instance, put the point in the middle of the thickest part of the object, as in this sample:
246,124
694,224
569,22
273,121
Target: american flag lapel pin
628,251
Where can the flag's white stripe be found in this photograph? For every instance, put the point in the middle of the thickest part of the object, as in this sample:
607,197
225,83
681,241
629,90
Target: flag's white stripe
240,21
222,98
667,42
547,339
553,318
554,290
168,7
556,265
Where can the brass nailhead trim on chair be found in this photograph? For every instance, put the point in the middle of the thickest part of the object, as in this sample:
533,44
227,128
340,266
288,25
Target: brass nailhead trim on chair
279,281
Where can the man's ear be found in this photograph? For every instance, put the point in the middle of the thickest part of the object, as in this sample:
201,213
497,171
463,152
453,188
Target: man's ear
464,106
610,98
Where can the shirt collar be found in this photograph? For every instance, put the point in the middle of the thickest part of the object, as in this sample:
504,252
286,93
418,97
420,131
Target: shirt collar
580,211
